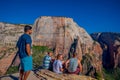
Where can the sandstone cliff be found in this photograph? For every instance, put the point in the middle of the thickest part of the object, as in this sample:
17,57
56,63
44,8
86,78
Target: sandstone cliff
110,43
9,34
64,36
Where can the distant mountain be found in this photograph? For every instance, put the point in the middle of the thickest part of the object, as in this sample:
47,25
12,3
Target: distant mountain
110,43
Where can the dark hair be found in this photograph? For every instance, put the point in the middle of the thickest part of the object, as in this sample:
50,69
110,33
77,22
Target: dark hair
74,54
49,52
27,27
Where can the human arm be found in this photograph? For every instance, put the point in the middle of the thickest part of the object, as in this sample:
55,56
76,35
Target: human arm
61,67
28,49
28,43
66,64
80,65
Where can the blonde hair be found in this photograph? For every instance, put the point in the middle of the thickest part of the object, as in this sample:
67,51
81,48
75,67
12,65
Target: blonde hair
58,56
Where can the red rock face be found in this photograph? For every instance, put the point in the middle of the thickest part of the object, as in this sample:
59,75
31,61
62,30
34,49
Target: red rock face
9,34
98,55
6,60
64,36
5,63
110,43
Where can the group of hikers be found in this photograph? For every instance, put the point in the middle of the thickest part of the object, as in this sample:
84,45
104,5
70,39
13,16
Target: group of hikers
72,65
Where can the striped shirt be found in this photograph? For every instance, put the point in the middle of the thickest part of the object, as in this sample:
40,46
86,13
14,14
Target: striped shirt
46,62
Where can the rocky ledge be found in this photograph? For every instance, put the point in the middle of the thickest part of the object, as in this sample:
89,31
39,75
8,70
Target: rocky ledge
48,75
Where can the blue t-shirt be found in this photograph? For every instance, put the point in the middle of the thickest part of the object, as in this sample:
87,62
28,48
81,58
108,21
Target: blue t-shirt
56,66
21,44
46,62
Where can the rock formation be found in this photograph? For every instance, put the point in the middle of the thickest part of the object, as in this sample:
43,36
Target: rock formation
110,43
64,36
47,75
9,34
6,58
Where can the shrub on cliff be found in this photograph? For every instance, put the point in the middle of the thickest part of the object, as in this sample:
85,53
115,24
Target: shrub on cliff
38,54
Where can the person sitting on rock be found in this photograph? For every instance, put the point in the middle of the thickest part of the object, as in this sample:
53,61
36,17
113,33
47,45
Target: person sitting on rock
73,65
47,61
57,65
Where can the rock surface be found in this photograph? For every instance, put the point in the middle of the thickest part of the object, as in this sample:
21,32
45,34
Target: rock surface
59,33
110,43
47,75
9,34
15,76
6,59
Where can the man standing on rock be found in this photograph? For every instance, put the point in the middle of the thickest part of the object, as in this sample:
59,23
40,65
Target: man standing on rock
24,51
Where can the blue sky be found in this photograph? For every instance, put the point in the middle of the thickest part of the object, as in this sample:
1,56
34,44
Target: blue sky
92,15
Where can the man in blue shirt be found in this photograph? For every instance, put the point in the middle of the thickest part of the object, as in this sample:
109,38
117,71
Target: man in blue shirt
24,51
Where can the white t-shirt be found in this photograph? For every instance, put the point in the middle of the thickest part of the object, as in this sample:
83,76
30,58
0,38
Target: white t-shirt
57,65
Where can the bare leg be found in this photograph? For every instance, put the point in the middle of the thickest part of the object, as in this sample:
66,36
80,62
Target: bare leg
26,74
21,74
